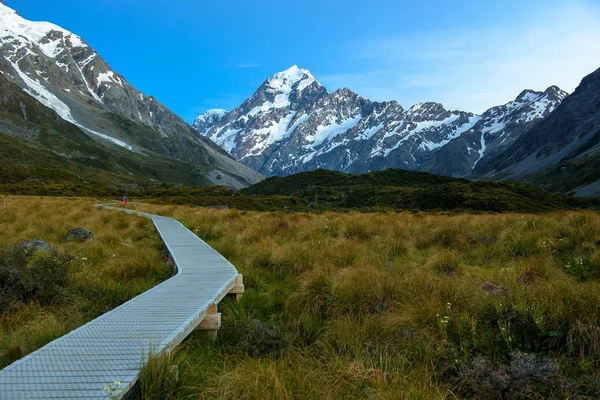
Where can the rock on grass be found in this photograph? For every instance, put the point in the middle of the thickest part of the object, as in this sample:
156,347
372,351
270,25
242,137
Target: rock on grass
37,245
79,235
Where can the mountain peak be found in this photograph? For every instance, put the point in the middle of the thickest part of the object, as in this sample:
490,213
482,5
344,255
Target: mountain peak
58,70
427,108
290,79
213,112
208,118
557,92
6,10
527,95
13,26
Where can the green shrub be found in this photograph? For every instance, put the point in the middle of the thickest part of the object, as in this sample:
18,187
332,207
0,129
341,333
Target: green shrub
254,337
28,274
526,377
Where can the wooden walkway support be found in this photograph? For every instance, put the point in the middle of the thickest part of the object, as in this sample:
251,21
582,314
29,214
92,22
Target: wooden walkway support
115,346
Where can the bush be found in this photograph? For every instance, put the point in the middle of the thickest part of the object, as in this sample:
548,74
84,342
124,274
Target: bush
527,377
254,337
27,273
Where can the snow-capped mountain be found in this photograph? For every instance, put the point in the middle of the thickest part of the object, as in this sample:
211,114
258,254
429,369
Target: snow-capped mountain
562,152
64,73
207,119
293,124
497,129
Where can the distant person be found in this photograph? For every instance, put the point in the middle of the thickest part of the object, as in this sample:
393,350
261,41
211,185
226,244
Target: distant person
124,199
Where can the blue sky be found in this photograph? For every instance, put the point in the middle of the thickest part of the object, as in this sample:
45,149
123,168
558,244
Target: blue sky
469,55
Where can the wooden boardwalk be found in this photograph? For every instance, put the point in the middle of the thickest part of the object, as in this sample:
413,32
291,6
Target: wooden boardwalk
115,346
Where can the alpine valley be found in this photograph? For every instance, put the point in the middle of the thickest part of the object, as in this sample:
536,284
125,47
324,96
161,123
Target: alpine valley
63,104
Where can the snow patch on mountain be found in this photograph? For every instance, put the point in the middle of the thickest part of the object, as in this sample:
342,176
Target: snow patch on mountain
430,145
423,125
292,78
215,112
207,119
481,149
368,134
108,77
325,132
43,95
274,132
15,27
299,121
229,139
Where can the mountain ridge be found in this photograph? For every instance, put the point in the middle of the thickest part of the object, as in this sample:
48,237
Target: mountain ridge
281,130
62,72
561,151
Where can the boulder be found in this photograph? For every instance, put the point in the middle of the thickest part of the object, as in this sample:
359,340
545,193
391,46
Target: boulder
79,235
37,245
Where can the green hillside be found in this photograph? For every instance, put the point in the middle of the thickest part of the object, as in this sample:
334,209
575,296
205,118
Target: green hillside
570,175
296,184
400,189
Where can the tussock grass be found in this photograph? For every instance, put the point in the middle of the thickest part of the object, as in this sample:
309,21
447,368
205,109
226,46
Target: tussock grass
344,305
401,305
123,260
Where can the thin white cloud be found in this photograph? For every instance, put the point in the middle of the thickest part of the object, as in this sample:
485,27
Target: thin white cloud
247,66
474,70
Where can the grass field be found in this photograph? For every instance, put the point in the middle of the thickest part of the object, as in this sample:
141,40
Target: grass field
339,305
396,305
125,258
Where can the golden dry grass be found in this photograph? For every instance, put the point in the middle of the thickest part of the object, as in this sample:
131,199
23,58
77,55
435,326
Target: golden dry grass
388,305
360,305
124,259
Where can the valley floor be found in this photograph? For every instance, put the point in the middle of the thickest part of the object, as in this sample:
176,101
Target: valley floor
342,305
396,305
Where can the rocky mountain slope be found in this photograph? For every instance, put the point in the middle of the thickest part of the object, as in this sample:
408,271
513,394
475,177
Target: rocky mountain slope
293,124
562,151
63,73
34,137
